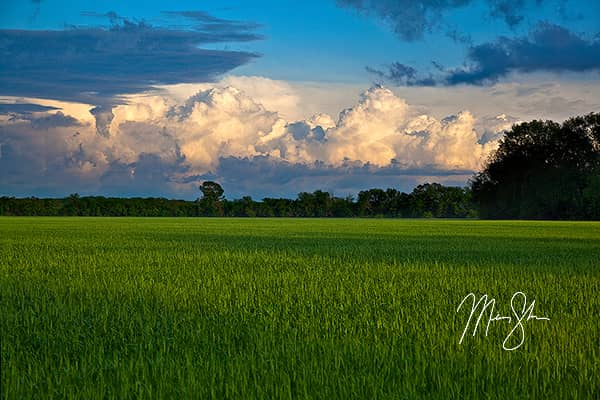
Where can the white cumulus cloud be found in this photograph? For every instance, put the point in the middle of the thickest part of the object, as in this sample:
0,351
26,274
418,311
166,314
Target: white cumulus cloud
186,137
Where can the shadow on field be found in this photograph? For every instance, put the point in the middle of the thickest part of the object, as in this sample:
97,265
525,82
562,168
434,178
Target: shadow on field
545,254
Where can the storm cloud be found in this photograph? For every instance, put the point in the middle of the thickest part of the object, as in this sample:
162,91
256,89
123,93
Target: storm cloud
277,178
23,108
95,65
547,48
158,145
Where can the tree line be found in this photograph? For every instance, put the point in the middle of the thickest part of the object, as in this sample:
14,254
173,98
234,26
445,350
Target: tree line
428,200
541,170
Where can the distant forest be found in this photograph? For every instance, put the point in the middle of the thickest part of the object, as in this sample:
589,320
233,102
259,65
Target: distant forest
429,200
541,170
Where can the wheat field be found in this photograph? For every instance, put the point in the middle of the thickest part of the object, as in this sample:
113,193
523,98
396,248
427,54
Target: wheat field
117,308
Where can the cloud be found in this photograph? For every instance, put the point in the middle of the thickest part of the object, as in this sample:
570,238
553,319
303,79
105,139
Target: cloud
508,10
95,65
211,23
23,108
265,176
36,115
159,145
293,101
149,175
54,121
104,117
491,129
402,75
548,48
271,94
411,20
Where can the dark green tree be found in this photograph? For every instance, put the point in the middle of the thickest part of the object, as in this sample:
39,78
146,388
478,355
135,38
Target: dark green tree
540,170
372,202
211,203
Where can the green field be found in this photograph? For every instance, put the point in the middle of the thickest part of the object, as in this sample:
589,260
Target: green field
293,308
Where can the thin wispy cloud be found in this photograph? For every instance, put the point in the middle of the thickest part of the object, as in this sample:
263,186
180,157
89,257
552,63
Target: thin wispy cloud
412,20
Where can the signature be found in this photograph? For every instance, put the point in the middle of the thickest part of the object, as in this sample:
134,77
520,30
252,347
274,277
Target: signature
519,317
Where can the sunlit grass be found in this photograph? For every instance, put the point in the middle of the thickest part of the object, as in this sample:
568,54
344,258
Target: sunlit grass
290,308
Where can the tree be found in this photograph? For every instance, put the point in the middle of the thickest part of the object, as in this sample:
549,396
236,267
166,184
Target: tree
435,200
73,204
211,203
540,170
372,202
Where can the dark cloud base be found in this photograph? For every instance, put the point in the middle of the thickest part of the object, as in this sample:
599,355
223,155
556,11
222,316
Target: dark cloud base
24,108
258,177
96,65
265,177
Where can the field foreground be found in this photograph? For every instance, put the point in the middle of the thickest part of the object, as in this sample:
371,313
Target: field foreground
294,308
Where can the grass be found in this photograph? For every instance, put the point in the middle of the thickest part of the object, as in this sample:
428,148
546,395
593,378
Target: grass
293,308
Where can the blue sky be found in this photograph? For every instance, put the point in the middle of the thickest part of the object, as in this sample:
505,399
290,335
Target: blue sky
323,40
107,82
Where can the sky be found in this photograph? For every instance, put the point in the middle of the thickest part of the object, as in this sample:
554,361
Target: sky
271,98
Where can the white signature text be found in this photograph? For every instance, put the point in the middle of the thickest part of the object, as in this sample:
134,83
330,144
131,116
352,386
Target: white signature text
520,315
